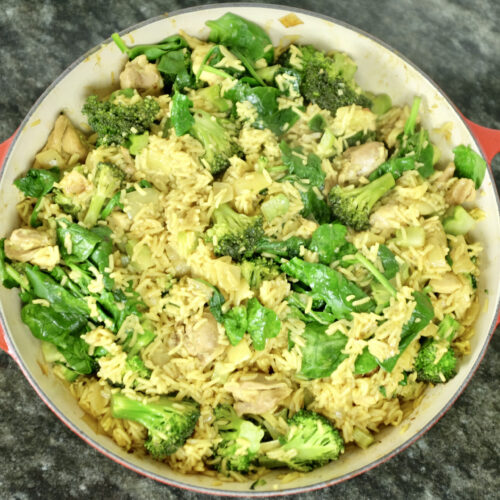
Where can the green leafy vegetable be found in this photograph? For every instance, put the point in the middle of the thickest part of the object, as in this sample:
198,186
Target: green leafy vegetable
80,240
175,67
181,118
389,262
242,37
327,241
342,296
413,150
469,164
151,51
45,287
421,316
310,169
63,329
236,323
322,353
265,102
263,324
36,184
365,363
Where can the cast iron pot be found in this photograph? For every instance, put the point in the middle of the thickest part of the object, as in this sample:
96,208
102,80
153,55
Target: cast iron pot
381,69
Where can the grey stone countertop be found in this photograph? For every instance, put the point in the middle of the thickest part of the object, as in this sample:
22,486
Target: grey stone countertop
458,44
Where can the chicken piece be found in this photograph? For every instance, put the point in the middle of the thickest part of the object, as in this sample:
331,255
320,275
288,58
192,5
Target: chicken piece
461,191
36,247
360,161
141,75
445,176
385,217
202,338
448,283
74,182
119,223
461,261
65,140
258,395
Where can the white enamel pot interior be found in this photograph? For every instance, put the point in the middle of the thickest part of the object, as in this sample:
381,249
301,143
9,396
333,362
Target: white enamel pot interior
380,70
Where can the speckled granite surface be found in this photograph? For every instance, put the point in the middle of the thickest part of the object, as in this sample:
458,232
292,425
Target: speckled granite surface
458,45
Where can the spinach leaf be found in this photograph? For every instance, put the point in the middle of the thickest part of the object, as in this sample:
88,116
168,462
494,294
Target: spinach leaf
175,67
327,241
36,184
314,208
322,353
360,138
151,51
414,150
242,36
389,262
215,304
469,164
264,100
421,316
307,173
394,166
263,324
45,287
317,123
120,305
340,294
235,322
103,249
83,241
181,117
309,168
64,331
365,362
298,302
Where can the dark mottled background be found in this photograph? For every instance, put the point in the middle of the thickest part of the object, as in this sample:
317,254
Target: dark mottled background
458,44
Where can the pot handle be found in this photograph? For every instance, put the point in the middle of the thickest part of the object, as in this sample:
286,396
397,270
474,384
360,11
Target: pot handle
488,138
4,147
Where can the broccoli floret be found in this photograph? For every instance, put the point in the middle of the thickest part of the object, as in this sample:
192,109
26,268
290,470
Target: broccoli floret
169,422
352,207
108,180
133,345
67,203
240,440
234,234
217,136
428,370
136,364
326,80
115,122
258,270
311,442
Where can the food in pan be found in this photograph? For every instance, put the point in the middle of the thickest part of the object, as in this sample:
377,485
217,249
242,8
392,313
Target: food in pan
247,261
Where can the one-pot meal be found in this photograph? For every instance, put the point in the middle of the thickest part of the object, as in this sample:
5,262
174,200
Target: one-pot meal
246,261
